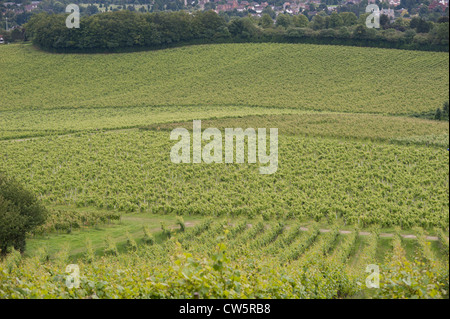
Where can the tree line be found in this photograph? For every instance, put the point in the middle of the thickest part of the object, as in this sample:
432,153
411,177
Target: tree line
115,31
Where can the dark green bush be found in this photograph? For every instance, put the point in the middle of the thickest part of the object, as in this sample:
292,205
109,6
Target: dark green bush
20,213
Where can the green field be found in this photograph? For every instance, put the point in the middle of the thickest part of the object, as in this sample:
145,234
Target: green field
307,77
89,135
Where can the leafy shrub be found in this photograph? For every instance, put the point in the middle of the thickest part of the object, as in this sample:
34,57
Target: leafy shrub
416,279
110,247
166,233
180,222
148,238
20,213
131,243
89,255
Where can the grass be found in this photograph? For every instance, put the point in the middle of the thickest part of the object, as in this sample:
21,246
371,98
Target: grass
133,223
437,251
384,247
410,246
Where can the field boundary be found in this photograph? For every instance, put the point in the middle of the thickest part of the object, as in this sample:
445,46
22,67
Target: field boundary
385,235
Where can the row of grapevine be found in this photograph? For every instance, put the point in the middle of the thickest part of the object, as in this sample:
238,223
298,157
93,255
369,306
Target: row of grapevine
268,238
284,240
343,252
66,221
443,241
402,278
424,249
299,247
367,256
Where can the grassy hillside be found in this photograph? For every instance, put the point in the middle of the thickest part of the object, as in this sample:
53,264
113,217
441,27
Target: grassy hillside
307,77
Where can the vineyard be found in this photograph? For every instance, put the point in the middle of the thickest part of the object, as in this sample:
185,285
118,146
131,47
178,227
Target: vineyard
307,77
91,139
385,184
219,259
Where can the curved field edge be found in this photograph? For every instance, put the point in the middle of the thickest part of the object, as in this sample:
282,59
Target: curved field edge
20,125
371,127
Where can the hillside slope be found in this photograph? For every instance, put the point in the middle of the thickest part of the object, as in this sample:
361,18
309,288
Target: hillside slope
308,77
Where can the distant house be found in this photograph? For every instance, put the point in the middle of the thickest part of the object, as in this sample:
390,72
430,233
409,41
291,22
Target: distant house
394,3
443,4
259,9
229,6
32,6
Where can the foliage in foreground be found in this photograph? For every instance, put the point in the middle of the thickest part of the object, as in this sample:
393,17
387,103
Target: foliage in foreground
413,279
215,260
132,277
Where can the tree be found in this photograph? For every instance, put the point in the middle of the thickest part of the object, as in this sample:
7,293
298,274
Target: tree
442,114
360,31
438,115
423,26
401,24
266,21
91,9
300,21
17,35
283,20
336,21
20,213
384,21
242,27
414,22
445,113
362,18
270,12
318,22
349,18
208,24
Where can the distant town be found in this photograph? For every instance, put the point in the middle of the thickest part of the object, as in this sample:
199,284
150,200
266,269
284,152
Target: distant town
391,8
14,14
